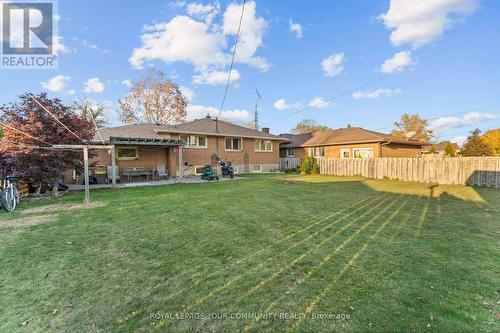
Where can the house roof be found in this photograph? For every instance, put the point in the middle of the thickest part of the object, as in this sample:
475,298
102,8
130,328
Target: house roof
343,136
440,146
205,126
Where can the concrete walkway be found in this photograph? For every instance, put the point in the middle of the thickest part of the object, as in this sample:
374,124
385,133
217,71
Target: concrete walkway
185,180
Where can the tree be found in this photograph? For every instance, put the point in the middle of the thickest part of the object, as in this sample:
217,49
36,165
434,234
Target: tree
154,100
306,126
40,166
476,146
492,137
449,150
413,127
90,112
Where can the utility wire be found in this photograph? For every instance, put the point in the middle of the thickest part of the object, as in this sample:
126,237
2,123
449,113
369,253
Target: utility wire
29,136
232,59
328,100
53,116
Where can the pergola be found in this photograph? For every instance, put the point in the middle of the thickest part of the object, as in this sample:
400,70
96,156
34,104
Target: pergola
112,142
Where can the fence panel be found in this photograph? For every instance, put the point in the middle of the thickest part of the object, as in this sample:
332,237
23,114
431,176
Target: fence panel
289,163
474,171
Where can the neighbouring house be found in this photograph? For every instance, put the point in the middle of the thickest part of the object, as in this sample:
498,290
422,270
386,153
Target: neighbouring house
351,142
440,147
144,149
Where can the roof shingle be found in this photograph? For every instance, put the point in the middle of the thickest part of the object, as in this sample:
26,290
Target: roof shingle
205,126
343,136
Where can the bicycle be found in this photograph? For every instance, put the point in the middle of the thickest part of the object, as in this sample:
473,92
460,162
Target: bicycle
9,196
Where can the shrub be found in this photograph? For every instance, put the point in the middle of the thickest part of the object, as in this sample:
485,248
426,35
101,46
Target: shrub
309,166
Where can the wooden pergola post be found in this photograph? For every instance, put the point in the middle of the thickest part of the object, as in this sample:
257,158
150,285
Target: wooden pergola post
86,173
113,167
181,162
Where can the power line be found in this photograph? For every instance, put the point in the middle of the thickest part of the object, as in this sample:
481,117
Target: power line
329,99
28,135
53,116
232,58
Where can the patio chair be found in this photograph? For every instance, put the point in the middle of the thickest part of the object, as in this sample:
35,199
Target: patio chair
162,171
109,173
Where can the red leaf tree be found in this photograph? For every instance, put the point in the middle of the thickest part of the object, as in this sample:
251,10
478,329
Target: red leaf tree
40,166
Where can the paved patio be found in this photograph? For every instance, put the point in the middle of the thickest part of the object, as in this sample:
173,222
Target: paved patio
185,180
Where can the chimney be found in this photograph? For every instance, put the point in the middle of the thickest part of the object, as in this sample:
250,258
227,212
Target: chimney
265,130
208,116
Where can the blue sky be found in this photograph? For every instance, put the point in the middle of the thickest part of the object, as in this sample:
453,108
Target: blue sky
437,58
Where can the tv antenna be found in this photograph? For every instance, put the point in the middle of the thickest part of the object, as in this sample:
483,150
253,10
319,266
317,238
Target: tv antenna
256,119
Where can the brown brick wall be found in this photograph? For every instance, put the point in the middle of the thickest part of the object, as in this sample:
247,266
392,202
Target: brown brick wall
398,150
390,150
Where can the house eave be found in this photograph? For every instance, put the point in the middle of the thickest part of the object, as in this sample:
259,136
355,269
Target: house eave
159,131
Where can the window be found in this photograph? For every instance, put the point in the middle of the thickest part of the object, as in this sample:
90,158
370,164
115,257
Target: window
263,145
345,153
198,170
194,141
362,152
127,153
317,151
289,152
256,168
235,144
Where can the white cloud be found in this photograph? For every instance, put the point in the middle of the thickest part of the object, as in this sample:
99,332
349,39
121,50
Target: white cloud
187,92
332,65
199,111
252,31
460,140
56,84
71,92
215,77
181,39
93,46
93,85
470,118
204,12
127,83
318,103
398,62
420,22
59,46
296,28
281,104
376,93
206,45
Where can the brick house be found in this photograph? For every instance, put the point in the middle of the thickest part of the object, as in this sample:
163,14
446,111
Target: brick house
351,142
191,145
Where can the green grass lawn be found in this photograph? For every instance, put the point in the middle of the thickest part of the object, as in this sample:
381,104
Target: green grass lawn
381,255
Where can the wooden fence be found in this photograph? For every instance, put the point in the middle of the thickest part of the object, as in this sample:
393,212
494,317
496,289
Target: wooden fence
289,163
474,171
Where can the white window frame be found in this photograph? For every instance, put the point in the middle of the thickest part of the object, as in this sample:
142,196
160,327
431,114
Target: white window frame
253,168
361,149
288,152
198,166
257,145
313,149
196,143
232,138
136,157
345,150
